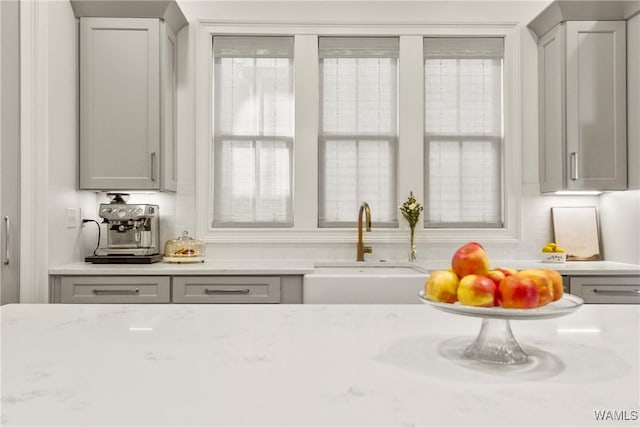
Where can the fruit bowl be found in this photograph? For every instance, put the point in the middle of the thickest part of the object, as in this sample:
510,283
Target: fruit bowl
495,342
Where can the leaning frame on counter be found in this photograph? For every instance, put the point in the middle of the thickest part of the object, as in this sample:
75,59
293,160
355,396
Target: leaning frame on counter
576,230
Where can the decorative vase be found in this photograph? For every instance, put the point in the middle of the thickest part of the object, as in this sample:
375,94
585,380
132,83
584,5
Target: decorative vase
412,246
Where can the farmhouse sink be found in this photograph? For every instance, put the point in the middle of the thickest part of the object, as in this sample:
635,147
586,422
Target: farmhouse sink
363,283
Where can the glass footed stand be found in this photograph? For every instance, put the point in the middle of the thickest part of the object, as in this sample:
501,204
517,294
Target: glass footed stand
495,342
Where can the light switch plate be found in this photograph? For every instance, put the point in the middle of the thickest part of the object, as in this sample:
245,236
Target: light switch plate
72,218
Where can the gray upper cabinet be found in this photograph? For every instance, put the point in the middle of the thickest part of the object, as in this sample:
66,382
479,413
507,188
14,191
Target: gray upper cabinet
127,104
582,100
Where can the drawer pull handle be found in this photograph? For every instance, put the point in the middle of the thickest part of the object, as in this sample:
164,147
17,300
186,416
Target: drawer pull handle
7,242
634,292
153,167
135,291
226,291
574,166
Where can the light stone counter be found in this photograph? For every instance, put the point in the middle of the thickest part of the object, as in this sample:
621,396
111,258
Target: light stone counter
301,365
209,267
298,267
572,268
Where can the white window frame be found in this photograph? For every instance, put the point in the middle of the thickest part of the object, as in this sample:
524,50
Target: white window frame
410,130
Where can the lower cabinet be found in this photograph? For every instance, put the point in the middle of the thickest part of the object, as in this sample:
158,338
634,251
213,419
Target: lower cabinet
176,289
606,289
121,289
229,289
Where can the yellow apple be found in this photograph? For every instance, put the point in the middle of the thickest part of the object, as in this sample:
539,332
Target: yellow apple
441,286
477,290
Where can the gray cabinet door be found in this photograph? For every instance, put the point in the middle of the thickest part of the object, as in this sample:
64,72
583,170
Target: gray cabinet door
551,110
10,152
168,112
596,105
582,106
119,103
606,289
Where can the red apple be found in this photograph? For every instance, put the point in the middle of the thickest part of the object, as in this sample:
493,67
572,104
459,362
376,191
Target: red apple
497,276
507,271
441,286
518,292
556,280
477,290
543,283
470,258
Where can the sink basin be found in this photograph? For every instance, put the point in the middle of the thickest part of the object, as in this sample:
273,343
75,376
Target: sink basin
363,284
365,271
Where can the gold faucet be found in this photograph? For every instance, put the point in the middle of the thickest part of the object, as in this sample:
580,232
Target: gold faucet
362,249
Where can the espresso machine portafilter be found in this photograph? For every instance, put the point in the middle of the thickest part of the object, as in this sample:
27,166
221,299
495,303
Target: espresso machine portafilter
132,229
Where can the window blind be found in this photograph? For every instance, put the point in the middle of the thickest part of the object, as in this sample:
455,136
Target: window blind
358,129
253,131
463,131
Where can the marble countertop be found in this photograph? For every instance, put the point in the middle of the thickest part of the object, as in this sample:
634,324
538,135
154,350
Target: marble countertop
578,268
208,267
302,365
299,267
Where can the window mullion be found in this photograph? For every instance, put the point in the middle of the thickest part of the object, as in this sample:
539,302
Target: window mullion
410,142
305,148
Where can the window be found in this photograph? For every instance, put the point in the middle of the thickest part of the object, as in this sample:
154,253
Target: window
358,129
297,124
253,131
463,131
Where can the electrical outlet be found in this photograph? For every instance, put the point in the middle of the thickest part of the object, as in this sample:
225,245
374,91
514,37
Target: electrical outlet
73,217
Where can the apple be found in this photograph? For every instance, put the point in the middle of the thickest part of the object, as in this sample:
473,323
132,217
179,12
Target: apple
556,280
518,292
507,271
542,281
477,290
442,286
470,258
497,276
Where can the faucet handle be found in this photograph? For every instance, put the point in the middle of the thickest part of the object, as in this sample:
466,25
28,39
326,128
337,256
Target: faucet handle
367,249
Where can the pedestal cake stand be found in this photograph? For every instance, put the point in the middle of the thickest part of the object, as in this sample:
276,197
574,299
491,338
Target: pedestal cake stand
495,342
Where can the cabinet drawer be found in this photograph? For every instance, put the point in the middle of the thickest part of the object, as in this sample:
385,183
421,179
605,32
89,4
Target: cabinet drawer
117,289
231,289
607,289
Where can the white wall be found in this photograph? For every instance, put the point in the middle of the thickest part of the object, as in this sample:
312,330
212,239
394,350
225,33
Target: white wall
65,244
620,212
620,225
633,100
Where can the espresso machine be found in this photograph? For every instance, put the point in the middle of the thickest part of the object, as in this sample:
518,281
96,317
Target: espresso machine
132,232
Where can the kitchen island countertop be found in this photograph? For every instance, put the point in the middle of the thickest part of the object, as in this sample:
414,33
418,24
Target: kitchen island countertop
310,365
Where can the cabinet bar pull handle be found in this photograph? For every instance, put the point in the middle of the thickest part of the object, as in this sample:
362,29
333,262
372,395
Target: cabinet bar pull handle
153,166
226,291
574,166
135,291
634,292
7,240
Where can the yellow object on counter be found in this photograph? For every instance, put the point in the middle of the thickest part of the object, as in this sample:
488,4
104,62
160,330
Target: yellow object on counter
552,247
